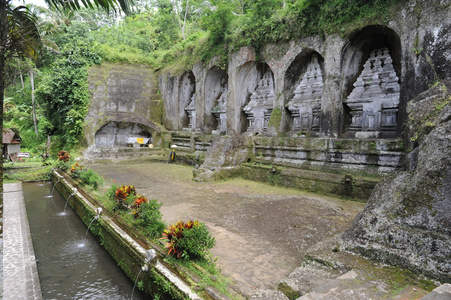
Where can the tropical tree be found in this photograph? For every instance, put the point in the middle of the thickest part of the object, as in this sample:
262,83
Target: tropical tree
19,36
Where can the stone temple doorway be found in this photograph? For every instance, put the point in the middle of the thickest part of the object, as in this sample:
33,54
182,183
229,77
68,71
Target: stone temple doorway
123,134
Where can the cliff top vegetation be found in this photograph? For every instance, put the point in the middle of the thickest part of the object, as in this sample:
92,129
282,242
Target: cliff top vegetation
168,35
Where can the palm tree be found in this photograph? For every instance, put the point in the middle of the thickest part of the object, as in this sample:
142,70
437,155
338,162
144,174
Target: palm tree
19,36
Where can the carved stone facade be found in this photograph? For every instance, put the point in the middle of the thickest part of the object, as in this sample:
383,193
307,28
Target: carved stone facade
305,107
220,113
374,101
191,110
260,106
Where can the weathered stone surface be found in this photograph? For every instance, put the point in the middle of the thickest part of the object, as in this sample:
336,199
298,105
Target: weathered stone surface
306,104
443,292
191,110
224,154
374,100
407,219
124,103
269,295
260,106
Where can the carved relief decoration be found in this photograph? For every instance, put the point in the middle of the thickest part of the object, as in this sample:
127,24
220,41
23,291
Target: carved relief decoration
374,101
260,106
191,110
220,112
305,106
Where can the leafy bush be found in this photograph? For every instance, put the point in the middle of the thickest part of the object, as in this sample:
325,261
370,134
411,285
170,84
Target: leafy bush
190,240
122,195
111,192
146,213
62,161
151,218
89,177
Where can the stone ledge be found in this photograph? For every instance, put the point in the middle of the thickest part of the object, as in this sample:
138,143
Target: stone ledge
127,252
20,274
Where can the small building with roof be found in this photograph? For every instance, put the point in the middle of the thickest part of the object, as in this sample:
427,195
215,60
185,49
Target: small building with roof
11,143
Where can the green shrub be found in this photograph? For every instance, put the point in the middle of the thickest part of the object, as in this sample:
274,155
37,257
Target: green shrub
89,177
190,240
151,217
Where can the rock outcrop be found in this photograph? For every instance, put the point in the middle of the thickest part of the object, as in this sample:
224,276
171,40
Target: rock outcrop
407,220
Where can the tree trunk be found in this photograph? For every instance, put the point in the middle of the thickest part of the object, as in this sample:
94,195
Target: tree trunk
21,80
3,41
33,103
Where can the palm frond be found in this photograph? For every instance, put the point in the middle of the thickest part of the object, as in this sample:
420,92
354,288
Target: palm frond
23,38
108,5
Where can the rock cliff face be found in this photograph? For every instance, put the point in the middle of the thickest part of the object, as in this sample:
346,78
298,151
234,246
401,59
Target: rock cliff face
124,106
407,220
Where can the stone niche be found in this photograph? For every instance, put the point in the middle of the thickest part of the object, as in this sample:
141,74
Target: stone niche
373,106
122,134
373,103
260,106
305,105
220,113
216,87
187,101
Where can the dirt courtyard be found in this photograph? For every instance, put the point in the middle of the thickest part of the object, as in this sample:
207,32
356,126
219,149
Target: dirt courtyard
262,232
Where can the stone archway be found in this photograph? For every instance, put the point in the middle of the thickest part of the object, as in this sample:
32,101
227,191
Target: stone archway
116,129
259,101
303,93
187,101
216,86
122,134
371,90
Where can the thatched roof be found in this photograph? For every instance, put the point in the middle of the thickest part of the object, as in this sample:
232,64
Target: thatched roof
11,136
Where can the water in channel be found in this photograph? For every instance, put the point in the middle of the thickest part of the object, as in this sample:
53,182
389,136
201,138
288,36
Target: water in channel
70,267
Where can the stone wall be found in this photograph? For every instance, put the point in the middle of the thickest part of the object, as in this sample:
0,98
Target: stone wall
125,105
407,219
327,87
331,86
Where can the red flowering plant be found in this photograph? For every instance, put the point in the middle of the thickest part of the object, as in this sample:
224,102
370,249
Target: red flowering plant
75,169
63,155
190,240
123,194
135,205
63,160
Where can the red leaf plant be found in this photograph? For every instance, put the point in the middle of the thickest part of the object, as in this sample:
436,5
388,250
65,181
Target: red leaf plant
138,201
76,167
174,233
63,155
123,192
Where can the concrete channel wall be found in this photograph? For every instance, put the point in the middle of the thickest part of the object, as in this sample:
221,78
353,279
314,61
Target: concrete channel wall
128,253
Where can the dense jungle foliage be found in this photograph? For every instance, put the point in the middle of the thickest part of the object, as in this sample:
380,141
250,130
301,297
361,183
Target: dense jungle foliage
165,34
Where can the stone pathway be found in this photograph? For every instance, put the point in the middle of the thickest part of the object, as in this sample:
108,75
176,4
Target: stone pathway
20,274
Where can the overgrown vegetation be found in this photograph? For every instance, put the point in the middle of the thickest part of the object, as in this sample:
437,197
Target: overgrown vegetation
165,34
141,212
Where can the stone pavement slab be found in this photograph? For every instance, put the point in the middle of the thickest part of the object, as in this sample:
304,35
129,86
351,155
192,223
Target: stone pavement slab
20,275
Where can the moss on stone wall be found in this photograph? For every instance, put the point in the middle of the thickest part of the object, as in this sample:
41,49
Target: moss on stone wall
275,119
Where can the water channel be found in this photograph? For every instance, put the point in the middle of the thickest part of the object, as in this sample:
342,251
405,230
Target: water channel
69,266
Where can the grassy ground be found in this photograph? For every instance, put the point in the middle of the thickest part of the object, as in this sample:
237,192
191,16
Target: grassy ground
30,169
